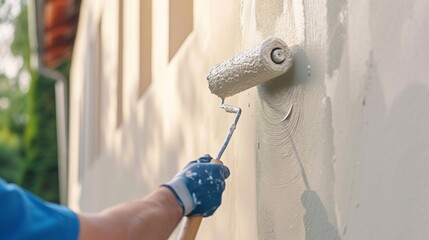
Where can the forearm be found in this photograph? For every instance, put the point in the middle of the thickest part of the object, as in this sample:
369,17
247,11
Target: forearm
154,217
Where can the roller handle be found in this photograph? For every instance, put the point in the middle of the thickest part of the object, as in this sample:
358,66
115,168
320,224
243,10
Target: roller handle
190,228
192,223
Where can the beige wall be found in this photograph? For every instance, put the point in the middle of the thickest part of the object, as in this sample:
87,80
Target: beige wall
349,162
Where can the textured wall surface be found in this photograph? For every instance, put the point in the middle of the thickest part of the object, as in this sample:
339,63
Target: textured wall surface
337,148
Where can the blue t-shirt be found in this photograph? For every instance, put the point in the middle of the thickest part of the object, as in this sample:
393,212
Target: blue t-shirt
25,216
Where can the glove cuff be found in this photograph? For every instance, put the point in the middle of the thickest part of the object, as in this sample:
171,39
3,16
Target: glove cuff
182,195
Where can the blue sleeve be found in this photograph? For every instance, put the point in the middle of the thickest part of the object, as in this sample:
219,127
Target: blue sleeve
24,216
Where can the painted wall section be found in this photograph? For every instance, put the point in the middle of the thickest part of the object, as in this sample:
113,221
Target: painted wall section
180,24
334,149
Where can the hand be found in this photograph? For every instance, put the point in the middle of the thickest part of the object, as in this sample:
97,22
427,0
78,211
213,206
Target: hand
199,186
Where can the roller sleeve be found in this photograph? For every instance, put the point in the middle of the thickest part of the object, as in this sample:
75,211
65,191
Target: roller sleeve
267,60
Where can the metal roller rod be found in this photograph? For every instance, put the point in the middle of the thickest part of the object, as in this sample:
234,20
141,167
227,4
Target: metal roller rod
278,55
229,109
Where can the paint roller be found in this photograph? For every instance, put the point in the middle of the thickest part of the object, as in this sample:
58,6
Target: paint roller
267,60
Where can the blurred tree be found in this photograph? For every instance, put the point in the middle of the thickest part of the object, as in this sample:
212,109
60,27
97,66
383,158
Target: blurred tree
13,100
13,106
21,43
39,172
9,155
12,124
28,140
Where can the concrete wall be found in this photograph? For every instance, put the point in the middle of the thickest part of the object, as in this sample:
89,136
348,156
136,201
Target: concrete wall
348,162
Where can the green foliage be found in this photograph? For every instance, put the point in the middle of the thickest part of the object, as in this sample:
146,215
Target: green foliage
12,123
28,138
12,106
13,101
21,43
9,155
39,173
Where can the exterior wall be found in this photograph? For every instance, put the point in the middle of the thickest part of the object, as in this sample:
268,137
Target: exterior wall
350,160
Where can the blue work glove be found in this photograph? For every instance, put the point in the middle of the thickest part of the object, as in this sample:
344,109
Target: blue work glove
199,186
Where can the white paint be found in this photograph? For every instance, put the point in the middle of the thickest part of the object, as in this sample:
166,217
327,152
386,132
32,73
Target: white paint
248,68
